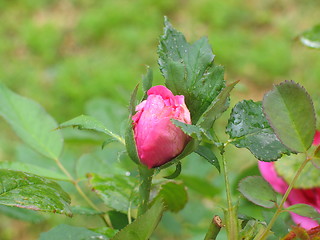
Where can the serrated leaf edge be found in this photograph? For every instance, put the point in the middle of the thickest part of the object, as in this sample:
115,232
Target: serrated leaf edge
267,117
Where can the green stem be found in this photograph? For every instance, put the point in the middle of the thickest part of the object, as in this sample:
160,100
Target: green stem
214,228
144,188
265,233
64,170
230,214
104,217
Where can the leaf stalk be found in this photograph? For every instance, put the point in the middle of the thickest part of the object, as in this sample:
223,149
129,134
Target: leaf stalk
231,212
266,232
146,175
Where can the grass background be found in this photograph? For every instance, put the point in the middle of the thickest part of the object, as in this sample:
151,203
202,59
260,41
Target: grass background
63,53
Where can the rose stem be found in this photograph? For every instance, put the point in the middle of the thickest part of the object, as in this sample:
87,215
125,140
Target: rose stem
214,228
265,233
144,188
230,214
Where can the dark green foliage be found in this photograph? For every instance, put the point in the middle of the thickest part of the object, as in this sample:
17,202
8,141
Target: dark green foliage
189,70
174,196
249,128
207,154
143,226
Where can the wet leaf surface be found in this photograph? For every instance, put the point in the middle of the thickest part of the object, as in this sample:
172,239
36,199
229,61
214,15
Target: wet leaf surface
249,128
26,190
189,70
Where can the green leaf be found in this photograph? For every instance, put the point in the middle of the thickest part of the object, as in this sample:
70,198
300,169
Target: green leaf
133,101
117,191
100,162
67,232
252,229
191,130
190,148
27,155
258,191
129,135
207,154
108,232
311,37
317,153
30,191
280,227
174,196
216,108
288,166
176,173
131,144
200,185
31,123
316,162
248,128
147,80
107,111
34,169
316,158
289,110
304,210
143,227
107,142
84,122
189,70
84,211
22,214
118,219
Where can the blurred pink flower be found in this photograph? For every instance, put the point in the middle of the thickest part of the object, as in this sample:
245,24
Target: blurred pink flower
158,140
306,196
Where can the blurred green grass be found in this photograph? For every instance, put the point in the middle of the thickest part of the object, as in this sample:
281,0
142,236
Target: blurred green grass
63,53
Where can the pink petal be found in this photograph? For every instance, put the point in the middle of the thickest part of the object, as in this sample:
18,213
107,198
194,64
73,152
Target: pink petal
316,139
304,222
155,150
164,92
141,105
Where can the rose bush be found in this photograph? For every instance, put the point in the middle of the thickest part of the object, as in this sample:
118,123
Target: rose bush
296,196
158,140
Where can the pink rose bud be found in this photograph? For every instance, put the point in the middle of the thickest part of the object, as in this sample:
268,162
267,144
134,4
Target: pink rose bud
297,195
158,140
